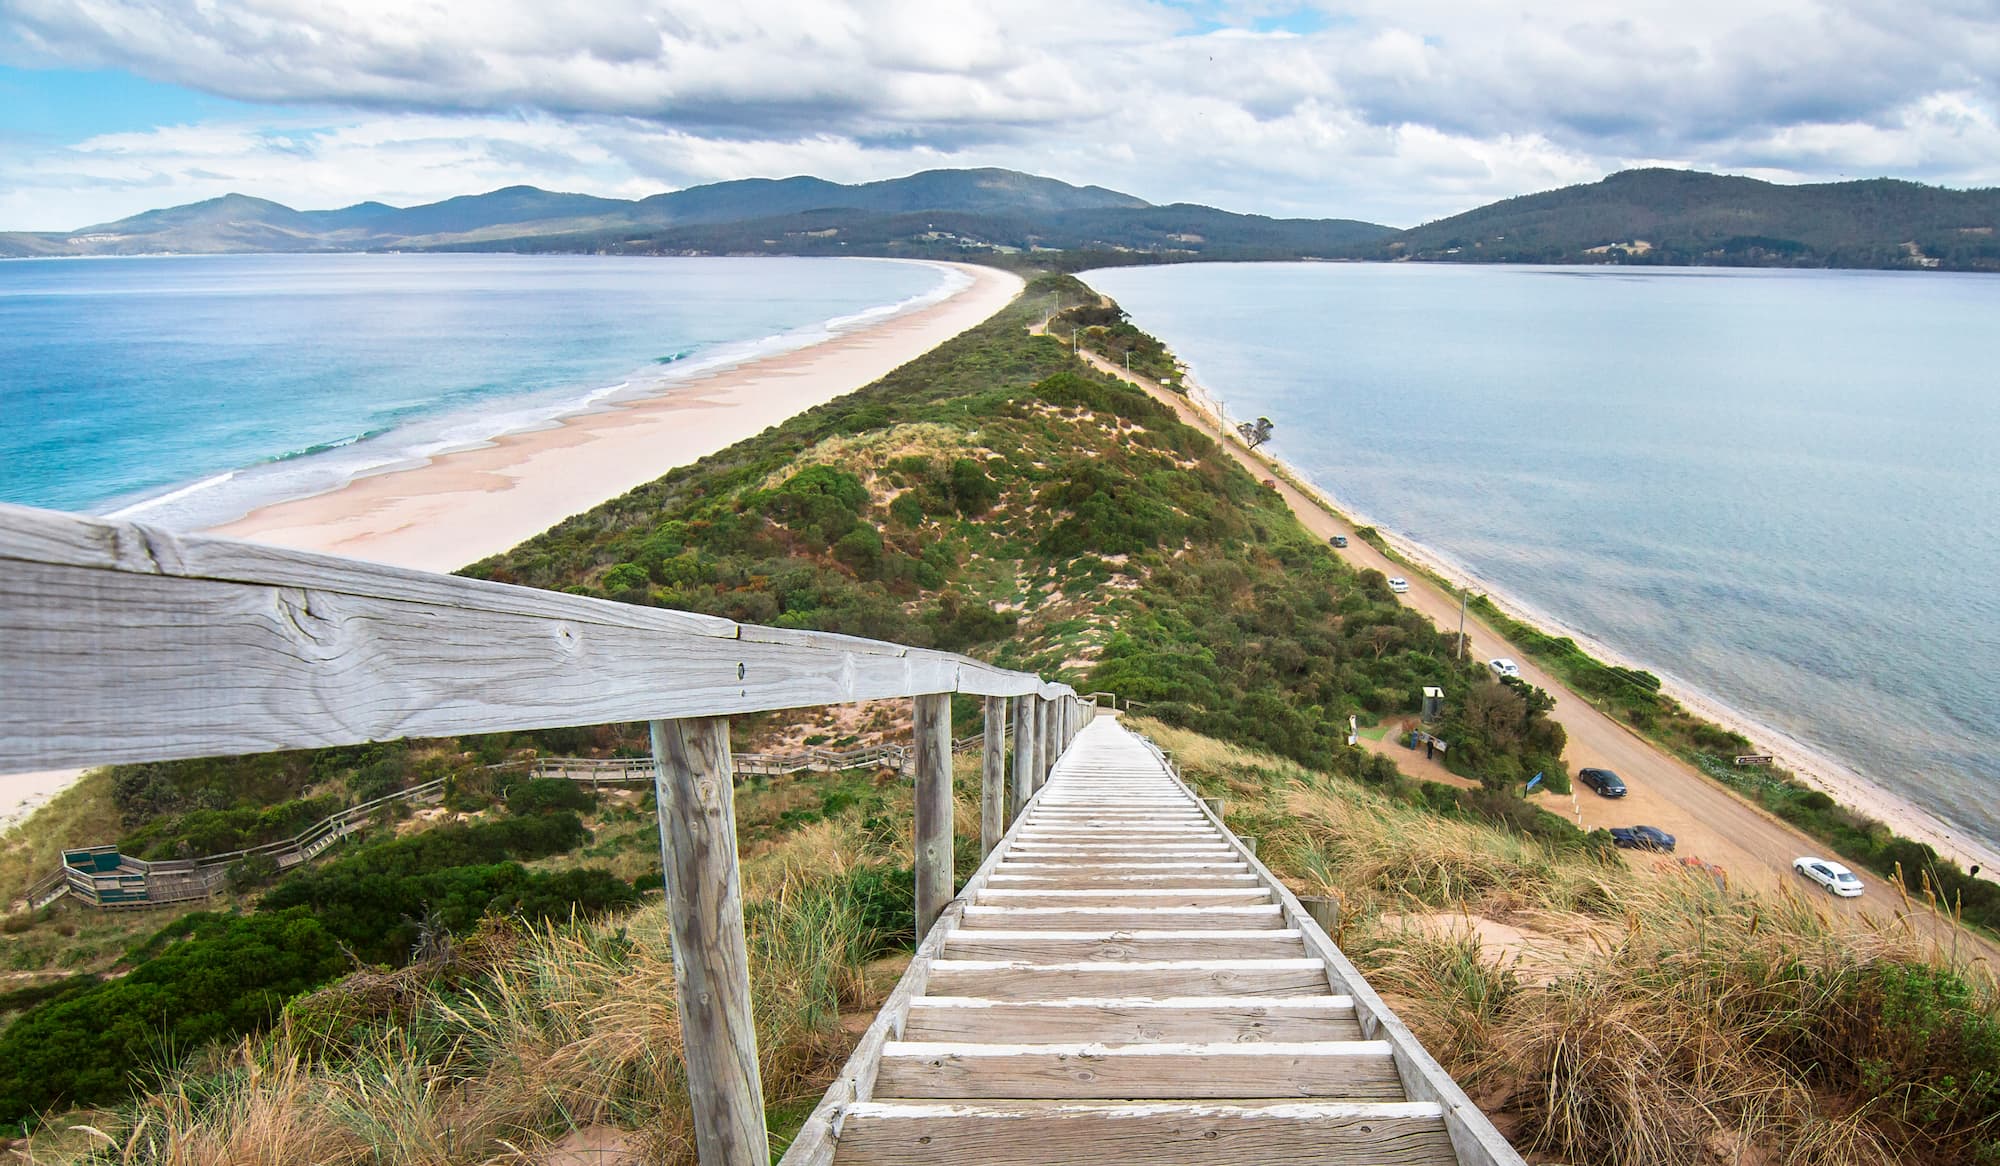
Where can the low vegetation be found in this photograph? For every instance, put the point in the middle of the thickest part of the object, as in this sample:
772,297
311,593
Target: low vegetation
1610,1015
486,982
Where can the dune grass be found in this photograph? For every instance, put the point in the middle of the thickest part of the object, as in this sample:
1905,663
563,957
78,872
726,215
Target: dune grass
1655,1017
522,1035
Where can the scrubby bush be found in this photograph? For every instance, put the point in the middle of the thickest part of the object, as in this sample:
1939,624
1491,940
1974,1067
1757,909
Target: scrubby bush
546,795
209,977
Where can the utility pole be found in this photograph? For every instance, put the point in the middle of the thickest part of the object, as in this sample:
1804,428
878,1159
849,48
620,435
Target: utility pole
1461,621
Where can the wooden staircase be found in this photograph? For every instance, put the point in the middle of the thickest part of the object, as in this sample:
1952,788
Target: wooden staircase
1122,982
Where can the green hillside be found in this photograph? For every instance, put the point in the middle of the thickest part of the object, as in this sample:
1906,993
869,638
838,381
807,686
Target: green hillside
1685,217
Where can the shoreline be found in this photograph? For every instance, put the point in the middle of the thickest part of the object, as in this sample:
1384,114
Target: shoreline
459,506
1812,766
216,500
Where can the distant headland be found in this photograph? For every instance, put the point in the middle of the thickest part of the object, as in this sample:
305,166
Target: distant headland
1650,217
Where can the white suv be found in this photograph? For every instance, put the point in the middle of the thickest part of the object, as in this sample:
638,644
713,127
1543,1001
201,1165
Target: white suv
1504,668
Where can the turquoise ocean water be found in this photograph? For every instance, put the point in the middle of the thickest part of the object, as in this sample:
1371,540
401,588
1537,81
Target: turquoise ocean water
1779,488
186,391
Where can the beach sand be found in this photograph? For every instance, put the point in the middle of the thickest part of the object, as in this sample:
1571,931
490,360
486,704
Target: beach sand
463,506
460,507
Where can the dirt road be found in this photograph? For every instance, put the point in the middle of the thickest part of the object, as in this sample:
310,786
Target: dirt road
1711,822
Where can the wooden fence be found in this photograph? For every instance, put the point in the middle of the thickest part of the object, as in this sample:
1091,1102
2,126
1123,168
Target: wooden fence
120,642
102,877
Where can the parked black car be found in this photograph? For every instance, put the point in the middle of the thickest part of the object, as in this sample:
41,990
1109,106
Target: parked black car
1643,838
1603,781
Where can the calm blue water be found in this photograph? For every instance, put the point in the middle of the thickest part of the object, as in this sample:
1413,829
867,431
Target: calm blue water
189,390
1780,488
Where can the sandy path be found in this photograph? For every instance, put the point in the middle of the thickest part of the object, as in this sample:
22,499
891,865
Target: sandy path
461,507
1710,821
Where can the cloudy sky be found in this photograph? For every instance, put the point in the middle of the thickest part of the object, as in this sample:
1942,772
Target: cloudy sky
1396,111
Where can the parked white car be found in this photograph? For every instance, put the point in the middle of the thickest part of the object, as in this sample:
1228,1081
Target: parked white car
1831,875
1505,668
1398,584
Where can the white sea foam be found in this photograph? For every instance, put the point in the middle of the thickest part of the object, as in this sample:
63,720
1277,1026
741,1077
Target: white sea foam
328,466
135,509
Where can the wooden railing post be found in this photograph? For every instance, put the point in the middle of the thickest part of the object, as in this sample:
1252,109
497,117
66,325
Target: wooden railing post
1024,756
933,832
697,805
993,776
1045,755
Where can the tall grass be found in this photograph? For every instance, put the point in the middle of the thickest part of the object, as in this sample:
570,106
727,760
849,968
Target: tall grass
1660,1018
521,1036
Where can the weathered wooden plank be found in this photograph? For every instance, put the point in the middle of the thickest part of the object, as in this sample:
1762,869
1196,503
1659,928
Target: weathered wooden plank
1128,1020
1106,881
1356,1070
60,539
1121,896
1103,851
697,808
1143,1134
142,645
933,807
1112,871
993,775
1020,980
1124,835
1122,918
1070,946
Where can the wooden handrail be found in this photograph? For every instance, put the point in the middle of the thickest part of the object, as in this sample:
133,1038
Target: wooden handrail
122,642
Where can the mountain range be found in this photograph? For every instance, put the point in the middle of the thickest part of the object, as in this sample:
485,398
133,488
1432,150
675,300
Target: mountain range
1652,216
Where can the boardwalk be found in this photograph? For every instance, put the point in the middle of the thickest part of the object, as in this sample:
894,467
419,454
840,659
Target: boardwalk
1122,983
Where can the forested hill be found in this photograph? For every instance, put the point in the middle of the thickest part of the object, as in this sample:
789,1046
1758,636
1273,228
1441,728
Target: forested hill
943,213
1684,217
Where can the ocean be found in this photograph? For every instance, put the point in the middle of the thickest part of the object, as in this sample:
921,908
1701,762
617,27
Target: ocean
1779,489
186,391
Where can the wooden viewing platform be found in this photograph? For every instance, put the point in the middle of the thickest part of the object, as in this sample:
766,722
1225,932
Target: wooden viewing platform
1120,982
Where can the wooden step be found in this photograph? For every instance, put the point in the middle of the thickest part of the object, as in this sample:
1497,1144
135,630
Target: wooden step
888,1133
1066,946
1191,1019
1002,877
1122,896
1025,980
1356,1070
1080,849
1123,918
1167,864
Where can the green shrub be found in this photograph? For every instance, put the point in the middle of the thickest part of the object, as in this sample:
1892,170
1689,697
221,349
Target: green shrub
212,977
546,795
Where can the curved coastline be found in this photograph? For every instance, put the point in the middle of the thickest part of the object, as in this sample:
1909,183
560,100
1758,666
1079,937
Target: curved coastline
222,498
1813,765
460,505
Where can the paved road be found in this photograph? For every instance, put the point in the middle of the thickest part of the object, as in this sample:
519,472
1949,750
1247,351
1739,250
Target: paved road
1711,822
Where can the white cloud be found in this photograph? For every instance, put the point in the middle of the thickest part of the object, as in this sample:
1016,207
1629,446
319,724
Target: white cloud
1397,110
